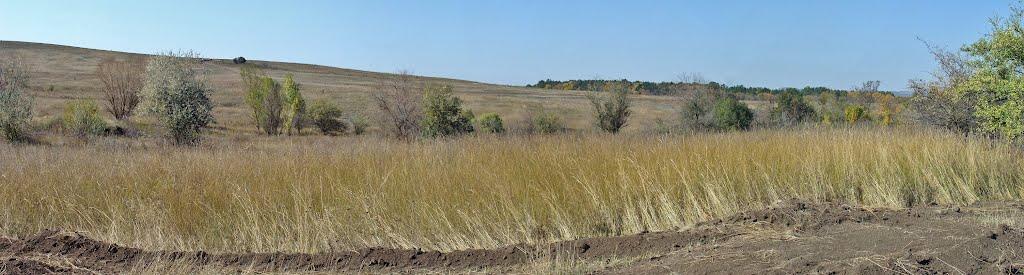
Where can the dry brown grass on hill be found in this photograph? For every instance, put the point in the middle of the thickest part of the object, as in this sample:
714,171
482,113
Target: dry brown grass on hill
70,71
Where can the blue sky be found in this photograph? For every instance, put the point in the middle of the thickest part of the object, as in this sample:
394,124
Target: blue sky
756,43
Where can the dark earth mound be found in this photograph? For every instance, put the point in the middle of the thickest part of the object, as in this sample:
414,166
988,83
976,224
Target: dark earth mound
792,237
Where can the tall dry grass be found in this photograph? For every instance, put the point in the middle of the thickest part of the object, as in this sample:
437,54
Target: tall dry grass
321,194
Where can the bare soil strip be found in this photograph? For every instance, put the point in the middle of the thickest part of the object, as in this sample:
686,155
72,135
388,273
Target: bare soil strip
792,237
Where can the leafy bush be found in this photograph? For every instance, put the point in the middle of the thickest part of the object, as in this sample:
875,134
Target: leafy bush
854,114
443,114
176,96
326,116
15,105
359,124
548,123
81,118
790,108
264,97
491,123
731,114
295,105
611,109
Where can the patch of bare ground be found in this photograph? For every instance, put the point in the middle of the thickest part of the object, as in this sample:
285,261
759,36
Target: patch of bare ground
792,237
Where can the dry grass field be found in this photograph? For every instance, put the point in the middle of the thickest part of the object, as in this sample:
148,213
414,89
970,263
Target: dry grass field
576,202
322,194
71,73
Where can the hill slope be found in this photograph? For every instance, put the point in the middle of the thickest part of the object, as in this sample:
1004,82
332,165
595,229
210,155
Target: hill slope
61,73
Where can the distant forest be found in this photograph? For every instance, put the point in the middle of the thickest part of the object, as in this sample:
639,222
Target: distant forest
674,88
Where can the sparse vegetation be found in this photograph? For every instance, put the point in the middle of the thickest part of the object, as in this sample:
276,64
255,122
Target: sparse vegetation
175,95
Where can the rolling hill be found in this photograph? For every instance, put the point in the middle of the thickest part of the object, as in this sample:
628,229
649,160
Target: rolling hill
61,73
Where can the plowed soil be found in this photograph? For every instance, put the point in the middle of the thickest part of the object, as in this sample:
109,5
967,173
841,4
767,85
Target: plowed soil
791,237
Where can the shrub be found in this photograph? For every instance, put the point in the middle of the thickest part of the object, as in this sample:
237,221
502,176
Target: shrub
854,114
359,124
295,105
548,123
399,102
443,114
491,123
121,82
15,105
264,97
81,118
790,108
611,110
327,117
731,114
696,111
175,95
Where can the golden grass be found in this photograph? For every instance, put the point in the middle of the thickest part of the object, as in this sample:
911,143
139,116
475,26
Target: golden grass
315,194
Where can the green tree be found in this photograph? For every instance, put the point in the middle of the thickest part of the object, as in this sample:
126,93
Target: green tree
731,114
790,108
998,79
443,113
264,97
295,105
175,95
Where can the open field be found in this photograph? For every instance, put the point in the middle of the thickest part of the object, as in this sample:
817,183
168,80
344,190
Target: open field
900,199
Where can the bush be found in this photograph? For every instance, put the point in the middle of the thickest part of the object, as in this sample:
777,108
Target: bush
327,117
790,109
696,112
81,118
731,114
491,123
264,97
854,114
121,82
15,105
175,95
443,114
611,110
359,124
548,123
399,102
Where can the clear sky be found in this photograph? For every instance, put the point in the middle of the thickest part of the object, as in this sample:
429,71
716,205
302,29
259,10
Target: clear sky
755,43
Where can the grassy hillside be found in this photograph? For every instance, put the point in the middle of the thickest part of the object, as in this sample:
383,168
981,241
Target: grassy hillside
69,71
